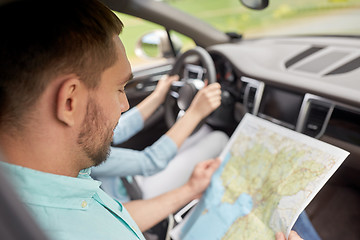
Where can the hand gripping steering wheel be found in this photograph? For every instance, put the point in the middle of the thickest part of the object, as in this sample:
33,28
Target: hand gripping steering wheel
183,91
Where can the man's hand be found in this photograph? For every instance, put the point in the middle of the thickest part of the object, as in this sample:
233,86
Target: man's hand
201,176
292,236
206,100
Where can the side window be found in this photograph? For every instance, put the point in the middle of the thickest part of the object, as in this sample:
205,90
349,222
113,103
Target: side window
147,43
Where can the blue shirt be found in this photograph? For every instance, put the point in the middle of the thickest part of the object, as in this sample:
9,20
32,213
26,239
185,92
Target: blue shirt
71,208
127,162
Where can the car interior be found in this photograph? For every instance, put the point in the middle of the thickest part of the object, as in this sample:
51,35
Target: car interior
307,83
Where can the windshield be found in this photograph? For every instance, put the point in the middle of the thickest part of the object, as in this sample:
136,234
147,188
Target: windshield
281,17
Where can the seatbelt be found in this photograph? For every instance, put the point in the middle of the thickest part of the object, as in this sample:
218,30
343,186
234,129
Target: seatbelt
135,193
132,188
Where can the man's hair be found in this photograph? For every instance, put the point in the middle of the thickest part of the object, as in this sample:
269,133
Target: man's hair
42,39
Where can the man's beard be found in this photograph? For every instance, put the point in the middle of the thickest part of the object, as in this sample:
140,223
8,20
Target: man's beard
95,137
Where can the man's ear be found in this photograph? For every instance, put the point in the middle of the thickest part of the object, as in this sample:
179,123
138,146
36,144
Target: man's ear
68,99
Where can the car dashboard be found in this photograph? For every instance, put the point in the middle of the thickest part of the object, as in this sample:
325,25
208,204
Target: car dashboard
307,84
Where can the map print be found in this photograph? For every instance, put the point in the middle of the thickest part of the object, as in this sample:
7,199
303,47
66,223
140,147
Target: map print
268,176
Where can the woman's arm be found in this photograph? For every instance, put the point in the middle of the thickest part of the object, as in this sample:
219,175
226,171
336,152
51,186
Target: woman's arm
127,162
133,120
205,102
156,98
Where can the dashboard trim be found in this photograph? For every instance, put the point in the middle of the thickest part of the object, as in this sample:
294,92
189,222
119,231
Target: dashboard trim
259,86
304,110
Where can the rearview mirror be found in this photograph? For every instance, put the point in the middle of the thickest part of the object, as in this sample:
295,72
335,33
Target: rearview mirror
255,4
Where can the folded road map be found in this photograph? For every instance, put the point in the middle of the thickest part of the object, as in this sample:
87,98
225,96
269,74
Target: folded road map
268,176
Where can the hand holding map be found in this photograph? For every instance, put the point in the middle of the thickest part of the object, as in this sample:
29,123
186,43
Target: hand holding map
292,236
268,176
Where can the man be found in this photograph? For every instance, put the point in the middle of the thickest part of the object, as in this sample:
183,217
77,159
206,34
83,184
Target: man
62,77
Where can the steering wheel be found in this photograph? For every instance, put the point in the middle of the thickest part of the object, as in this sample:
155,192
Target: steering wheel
192,80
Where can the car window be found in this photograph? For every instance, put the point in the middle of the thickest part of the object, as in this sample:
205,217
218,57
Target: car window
135,28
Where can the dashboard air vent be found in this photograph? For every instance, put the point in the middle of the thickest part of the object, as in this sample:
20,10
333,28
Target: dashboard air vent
321,62
250,103
302,55
316,120
347,67
252,94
